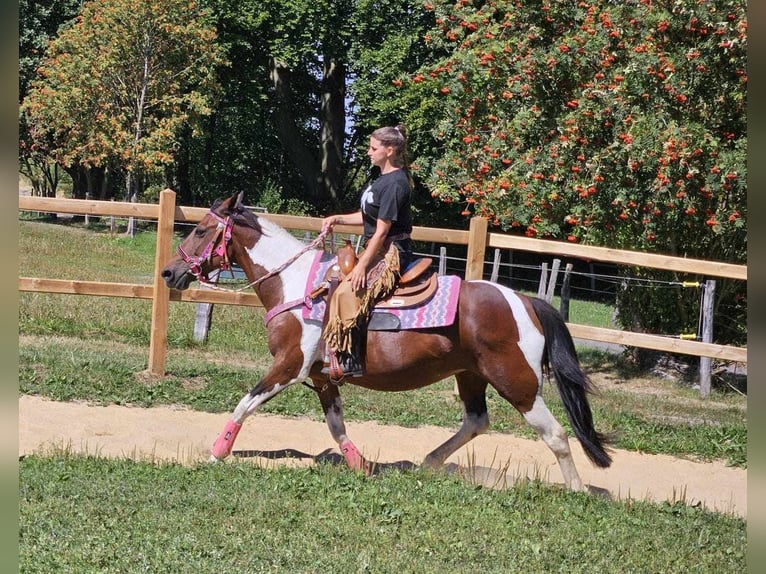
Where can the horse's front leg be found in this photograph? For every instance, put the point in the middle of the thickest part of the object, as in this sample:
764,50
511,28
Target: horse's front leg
332,405
269,386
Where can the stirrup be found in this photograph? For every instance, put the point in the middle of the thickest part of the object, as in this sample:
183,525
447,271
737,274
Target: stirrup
335,371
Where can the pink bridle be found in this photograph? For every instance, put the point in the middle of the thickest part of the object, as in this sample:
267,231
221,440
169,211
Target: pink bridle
223,232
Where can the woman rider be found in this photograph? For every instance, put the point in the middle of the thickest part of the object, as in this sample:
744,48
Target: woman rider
385,215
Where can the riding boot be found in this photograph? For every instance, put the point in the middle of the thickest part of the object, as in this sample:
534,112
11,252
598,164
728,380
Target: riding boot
342,364
352,361
338,366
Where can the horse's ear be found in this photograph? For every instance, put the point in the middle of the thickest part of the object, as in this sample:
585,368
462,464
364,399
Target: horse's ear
232,204
236,201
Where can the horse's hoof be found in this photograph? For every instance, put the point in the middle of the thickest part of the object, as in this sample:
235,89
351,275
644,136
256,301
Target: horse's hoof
213,459
353,457
431,464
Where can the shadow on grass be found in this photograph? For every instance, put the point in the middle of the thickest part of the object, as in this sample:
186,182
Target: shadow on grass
495,478
328,456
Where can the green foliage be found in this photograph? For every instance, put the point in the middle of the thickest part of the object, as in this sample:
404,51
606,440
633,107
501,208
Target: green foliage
593,121
38,23
273,199
86,514
391,41
119,83
614,124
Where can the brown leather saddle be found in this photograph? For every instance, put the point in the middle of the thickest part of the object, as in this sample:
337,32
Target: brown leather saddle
415,287
418,289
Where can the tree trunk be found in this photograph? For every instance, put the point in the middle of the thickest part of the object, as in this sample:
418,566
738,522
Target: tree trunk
102,193
180,180
79,186
332,121
292,139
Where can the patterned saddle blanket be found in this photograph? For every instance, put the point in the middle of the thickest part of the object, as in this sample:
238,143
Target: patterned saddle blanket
438,311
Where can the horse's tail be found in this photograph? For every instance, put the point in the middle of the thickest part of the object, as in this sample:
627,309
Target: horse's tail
573,384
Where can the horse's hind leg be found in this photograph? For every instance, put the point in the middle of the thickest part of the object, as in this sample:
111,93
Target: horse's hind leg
332,405
472,390
553,434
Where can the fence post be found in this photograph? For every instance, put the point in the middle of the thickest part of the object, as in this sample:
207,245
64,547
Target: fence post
477,247
204,314
543,280
564,305
552,280
707,335
474,262
495,266
442,260
161,299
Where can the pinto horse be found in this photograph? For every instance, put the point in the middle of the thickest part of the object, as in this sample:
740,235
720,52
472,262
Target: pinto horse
498,337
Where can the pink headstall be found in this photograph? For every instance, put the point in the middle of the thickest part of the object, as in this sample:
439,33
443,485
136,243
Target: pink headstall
223,232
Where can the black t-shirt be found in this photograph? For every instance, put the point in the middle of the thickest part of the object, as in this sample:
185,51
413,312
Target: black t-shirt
388,198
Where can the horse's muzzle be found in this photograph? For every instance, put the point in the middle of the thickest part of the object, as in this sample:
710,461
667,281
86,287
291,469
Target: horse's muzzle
177,276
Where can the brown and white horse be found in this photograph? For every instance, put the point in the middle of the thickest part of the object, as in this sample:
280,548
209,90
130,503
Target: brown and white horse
499,338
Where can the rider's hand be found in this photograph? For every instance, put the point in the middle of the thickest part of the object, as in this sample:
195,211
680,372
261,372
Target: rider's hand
329,221
358,278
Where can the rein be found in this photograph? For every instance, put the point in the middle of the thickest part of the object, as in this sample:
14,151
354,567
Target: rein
314,244
223,233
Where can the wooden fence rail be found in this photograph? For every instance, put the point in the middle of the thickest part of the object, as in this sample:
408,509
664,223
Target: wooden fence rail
477,239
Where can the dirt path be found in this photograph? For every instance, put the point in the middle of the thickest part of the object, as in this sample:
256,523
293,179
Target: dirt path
185,436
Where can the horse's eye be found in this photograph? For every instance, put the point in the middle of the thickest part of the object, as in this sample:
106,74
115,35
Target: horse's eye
200,231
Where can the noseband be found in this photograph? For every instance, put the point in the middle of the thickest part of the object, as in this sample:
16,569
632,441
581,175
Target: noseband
222,233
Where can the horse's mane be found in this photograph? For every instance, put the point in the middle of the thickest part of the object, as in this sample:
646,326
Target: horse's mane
241,215
246,217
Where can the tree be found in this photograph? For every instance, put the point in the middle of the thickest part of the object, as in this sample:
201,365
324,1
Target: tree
38,23
283,99
118,85
616,124
390,41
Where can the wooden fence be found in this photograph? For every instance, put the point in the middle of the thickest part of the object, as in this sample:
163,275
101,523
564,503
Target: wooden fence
477,239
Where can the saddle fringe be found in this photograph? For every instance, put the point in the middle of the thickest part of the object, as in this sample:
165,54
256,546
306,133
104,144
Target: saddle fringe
381,280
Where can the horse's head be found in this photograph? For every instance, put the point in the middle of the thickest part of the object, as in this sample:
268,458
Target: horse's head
207,248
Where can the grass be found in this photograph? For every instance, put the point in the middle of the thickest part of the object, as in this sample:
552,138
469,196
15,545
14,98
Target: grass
83,514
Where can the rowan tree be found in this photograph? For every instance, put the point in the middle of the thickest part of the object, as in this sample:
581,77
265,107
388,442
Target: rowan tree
614,124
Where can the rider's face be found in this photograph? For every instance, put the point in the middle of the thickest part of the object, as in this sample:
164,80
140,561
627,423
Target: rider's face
379,153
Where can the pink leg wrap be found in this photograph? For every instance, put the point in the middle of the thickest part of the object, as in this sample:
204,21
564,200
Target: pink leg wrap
225,441
354,458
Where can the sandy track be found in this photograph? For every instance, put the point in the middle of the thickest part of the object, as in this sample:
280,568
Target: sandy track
496,459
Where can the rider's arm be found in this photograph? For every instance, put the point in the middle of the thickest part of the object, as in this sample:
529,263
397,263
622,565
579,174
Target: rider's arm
344,219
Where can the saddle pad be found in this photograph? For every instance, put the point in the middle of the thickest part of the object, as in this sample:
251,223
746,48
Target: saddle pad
438,312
